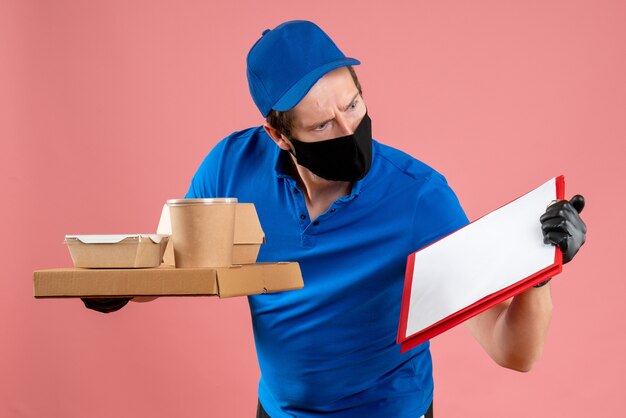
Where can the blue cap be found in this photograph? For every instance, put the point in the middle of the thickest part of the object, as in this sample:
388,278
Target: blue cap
287,61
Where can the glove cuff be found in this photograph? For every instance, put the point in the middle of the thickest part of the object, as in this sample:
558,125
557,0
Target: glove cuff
543,283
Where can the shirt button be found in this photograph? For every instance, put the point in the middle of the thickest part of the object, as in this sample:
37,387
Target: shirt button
303,216
316,223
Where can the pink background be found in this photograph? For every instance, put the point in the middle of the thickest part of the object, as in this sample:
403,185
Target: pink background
108,107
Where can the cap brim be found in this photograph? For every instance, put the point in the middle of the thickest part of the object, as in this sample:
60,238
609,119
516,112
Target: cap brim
293,96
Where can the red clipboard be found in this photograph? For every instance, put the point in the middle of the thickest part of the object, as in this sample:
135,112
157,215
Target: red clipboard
410,341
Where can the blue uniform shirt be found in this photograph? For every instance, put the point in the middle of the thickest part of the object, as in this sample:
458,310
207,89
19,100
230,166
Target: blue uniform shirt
330,349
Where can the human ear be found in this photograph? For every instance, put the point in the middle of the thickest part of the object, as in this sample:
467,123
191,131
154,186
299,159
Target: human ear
280,139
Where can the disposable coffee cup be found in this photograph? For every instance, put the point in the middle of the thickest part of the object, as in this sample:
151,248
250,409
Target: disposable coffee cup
203,231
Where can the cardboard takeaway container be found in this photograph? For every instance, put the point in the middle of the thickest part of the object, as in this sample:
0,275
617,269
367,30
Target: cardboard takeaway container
245,278
249,235
117,251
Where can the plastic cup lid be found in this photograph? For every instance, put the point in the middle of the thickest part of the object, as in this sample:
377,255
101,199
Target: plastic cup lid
194,202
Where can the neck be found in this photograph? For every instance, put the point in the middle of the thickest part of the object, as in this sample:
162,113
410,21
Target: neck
319,193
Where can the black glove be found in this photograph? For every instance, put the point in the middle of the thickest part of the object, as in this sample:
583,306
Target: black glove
105,305
562,226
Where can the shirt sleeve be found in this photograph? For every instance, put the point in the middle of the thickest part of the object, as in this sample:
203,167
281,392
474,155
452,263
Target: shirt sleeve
437,213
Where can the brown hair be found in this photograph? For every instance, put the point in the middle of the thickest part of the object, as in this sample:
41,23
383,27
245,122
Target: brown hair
282,121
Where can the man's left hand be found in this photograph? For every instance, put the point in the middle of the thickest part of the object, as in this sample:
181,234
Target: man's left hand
562,226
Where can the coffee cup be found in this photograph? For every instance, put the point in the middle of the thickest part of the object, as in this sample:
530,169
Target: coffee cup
203,231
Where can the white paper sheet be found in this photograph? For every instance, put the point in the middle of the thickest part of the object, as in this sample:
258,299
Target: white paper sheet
480,259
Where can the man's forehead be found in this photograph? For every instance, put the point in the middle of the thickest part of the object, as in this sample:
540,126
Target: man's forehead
336,90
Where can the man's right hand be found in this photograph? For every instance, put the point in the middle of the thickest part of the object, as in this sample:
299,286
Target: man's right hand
105,305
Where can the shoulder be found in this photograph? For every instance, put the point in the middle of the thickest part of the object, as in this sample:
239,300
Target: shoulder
399,164
247,151
416,182
436,208
238,147
431,207
240,141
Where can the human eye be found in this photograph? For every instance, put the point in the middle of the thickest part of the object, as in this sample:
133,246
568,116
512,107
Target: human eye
321,126
353,105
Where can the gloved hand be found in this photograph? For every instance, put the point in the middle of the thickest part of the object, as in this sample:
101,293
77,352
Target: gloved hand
562,226
105,305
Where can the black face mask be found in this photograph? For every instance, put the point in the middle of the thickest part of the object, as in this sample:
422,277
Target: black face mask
347,158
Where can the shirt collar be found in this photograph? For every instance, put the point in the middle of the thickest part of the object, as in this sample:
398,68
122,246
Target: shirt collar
279,162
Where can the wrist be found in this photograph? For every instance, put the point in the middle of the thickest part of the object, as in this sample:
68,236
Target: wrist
543,283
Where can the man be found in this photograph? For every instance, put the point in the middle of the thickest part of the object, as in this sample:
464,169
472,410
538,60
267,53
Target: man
349,209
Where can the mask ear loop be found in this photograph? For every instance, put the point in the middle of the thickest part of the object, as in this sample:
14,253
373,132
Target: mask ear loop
291,151
292,161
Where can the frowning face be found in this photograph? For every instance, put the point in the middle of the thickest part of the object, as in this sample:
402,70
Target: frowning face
332,108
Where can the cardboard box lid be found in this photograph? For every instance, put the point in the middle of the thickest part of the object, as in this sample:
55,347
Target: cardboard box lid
113,238
248,228
247,225
232,281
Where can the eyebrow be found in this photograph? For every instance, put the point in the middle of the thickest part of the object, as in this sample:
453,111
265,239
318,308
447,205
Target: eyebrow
314,125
